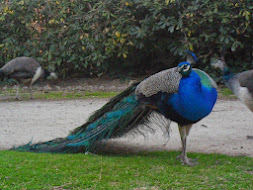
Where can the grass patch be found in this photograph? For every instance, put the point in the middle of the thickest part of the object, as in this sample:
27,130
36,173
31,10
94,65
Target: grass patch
157,170
74,94
227,93
57,95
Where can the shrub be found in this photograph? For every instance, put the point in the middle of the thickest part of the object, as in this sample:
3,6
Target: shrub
87,37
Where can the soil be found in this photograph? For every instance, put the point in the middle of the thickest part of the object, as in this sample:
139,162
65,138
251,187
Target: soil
227,130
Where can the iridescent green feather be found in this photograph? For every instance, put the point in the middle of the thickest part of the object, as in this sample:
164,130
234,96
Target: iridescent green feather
206,80
116,118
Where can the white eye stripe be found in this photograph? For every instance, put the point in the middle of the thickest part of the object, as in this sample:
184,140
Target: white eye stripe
187,68
182,67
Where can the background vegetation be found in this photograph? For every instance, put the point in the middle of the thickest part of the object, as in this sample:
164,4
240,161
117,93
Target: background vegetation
93,37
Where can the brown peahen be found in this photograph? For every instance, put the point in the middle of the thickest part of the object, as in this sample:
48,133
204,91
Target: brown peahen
241,84
26,71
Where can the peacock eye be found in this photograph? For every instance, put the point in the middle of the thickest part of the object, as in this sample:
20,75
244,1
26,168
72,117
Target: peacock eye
185,68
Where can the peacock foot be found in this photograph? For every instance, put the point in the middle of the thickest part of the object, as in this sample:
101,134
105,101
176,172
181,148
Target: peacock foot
187,161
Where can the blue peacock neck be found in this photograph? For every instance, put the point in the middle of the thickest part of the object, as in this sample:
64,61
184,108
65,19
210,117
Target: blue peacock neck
193,100
189,83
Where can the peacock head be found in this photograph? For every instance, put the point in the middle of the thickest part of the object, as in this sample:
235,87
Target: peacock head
49,75
184,68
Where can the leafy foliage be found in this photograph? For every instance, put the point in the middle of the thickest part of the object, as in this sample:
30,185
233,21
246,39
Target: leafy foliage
87,37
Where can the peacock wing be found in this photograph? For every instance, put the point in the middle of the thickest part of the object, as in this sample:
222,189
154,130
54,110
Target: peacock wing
164,81
22,75
21,64
206,80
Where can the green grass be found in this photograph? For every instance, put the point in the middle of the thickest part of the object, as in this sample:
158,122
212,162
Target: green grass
225,92
74,94
157,170
56,95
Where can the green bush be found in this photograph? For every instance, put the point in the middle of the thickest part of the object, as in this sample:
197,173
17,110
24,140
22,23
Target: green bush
92,37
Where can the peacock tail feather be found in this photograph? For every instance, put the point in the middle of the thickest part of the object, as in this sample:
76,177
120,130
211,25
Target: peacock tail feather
120,115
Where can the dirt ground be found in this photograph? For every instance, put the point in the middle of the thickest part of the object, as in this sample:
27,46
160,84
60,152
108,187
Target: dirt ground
227,130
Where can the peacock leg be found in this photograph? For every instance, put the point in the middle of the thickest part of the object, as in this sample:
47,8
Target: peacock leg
30,90
184,132
17,96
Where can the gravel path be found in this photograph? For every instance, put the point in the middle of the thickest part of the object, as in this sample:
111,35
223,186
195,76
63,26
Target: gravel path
227,130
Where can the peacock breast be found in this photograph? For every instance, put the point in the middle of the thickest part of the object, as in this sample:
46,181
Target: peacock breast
194,101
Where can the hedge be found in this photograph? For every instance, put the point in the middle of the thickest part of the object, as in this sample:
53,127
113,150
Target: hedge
93,37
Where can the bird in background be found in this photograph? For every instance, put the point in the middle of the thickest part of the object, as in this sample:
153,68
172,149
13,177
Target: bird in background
26,71
241,84
181,94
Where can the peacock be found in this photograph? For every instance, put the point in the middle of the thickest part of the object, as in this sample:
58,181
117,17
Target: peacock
181,94
25,70
241,84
